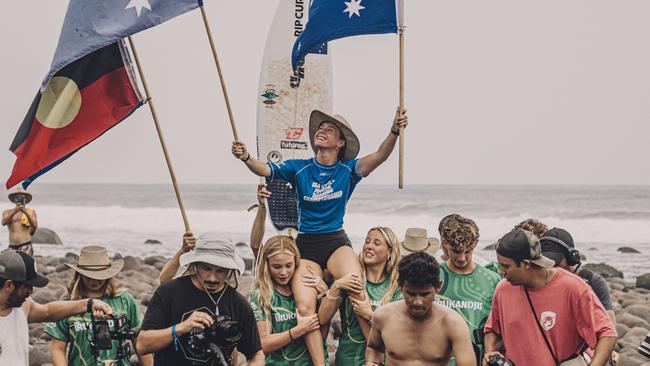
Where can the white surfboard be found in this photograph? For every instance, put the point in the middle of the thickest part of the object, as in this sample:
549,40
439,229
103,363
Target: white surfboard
284,106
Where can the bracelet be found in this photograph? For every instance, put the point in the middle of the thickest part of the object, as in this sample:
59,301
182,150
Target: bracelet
394,131
247,158
175,338
89,305
290,336
261,206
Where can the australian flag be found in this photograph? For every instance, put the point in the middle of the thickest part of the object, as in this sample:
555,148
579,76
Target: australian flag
334,19
93,24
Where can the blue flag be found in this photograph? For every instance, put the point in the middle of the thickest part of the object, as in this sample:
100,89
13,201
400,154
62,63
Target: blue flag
334,19
93,24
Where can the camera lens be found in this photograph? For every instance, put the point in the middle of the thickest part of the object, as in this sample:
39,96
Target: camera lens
644,348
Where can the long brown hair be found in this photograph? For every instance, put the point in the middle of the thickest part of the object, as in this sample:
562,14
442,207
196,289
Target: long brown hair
77,289
390,268
279,244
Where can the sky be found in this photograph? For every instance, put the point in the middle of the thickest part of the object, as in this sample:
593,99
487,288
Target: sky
498,92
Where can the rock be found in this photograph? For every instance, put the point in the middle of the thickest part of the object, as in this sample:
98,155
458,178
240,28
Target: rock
46,236
72,256
604,270
61,268
632,321
152,242
632,358
131,263
117,256
642,311
153,259
583,257
43,296
37,357
643,281
628,250
621,330
491,247
245,252
637,332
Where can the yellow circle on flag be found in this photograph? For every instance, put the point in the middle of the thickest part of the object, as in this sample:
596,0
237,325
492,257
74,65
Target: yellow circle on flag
60,103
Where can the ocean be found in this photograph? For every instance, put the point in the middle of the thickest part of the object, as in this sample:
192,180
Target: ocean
122,217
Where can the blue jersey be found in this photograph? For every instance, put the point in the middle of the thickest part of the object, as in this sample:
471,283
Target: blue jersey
321,191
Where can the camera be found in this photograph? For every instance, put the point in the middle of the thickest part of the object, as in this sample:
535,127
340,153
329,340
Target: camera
498,360
116,328
644,347
217,340
19,199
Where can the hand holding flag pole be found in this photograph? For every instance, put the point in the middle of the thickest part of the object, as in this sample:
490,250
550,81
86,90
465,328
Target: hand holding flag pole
154,115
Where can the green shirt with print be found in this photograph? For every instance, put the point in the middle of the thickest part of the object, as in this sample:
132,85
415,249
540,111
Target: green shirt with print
283,318
76,330
352,345
470,295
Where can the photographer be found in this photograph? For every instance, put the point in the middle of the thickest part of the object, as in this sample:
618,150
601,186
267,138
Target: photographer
179,325
18,277
21,222
94,278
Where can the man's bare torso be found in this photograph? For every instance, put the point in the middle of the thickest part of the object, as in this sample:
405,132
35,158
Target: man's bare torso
18,232
409,341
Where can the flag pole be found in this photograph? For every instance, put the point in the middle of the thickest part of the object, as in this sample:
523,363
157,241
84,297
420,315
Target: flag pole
401,96
221,79
160,136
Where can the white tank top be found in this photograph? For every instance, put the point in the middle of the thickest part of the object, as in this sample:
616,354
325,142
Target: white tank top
14,339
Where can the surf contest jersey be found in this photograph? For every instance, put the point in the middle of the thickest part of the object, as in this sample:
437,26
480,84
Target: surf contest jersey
322,191
470,295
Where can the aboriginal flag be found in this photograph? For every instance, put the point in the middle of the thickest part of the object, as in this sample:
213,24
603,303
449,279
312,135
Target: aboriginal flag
82,101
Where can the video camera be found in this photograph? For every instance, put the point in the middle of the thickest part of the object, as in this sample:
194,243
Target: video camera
103,335
218,340
498,360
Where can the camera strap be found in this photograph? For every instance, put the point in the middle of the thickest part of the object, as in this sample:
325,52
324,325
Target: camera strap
548,345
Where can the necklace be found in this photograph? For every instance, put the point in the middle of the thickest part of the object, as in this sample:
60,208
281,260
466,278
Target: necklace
216,303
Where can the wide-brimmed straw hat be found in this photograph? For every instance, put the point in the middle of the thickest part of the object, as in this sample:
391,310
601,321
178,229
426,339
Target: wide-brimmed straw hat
212,249
351,149
20,192
94,263
416,240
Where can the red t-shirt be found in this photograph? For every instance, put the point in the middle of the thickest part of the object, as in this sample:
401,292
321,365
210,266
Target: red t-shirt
568,310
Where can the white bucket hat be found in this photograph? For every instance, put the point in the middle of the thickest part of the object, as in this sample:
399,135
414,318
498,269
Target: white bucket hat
212,248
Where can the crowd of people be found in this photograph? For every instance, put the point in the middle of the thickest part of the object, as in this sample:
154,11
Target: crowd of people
415,301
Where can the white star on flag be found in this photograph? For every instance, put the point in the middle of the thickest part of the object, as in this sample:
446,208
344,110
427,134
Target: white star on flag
353,8
138,5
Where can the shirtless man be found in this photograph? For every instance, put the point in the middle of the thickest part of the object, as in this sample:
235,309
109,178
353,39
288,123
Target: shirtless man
417,331
21,222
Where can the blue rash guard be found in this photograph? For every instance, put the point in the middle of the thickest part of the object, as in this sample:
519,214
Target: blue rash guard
322,191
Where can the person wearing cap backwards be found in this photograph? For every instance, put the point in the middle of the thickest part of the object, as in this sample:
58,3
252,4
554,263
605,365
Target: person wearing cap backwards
94,278
21,222
542,315
323,185
467,287
558,245
186,304
18,277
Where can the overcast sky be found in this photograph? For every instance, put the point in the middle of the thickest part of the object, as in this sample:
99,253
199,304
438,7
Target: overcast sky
498,92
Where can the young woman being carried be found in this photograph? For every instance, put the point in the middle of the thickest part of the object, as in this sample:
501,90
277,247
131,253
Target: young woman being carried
323,184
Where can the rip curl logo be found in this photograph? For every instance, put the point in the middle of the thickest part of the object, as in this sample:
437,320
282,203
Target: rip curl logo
323,192
547,320
293,133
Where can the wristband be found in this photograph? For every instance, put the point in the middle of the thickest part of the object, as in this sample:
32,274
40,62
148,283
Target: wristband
394,131
290,336
89,305
175,338
247,158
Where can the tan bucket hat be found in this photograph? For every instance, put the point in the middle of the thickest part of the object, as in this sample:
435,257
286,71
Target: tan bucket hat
416,240
94,263
20,191
317,117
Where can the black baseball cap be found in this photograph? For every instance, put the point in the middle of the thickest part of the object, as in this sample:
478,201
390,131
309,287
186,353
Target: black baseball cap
522,244
19,266
552,241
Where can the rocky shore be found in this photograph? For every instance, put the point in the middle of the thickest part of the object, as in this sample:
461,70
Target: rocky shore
140,278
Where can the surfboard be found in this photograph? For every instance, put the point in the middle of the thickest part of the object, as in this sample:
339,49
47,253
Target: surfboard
285,103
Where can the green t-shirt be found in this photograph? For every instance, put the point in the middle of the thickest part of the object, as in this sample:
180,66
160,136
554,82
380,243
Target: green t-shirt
76,330
283,311
470,295
352,345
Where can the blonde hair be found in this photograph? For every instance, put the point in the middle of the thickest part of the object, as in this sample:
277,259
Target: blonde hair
390,268
279,244
76,289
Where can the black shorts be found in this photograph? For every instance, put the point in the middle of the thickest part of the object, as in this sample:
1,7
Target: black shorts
319,247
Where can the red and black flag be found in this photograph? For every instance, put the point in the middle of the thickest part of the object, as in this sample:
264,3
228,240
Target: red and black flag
81,102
